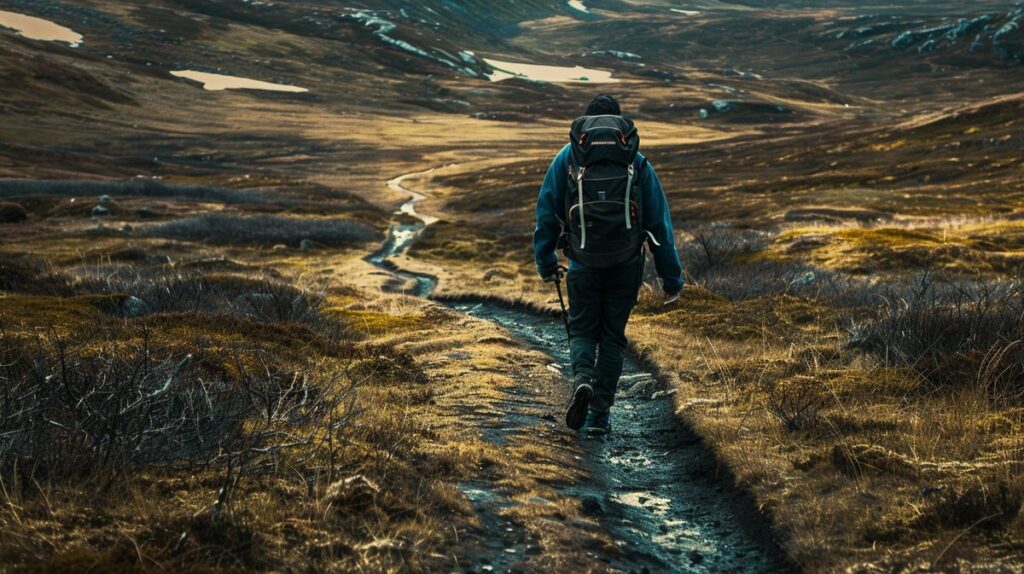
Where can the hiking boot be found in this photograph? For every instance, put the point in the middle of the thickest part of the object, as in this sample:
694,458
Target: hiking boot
597,423
577,413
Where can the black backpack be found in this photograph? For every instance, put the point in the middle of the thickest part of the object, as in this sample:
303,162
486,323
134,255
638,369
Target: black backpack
603,214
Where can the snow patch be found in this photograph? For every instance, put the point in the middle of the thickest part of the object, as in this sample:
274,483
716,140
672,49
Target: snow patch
39,29
220,82
616,54
553,74
577,5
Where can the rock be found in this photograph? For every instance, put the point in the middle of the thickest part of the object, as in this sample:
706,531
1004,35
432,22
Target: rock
145,213
100,211
12,212
722,106
104,199
696,557
661,394
704,114
134,307
616,54
306,245
965,27
591,506
642,389
804,280
904,40
1007,41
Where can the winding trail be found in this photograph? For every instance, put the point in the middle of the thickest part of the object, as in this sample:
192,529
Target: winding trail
653,485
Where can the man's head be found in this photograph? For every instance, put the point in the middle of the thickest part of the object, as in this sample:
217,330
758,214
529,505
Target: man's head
604,105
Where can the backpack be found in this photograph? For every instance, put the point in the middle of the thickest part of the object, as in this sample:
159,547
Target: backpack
603,215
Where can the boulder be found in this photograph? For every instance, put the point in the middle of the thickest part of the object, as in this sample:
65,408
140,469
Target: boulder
100,211
133,307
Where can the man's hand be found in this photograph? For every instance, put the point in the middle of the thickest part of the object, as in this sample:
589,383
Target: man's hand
671,300
555,277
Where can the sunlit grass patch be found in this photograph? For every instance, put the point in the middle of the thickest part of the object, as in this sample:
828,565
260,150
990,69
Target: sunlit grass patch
368,323
30,313
966,247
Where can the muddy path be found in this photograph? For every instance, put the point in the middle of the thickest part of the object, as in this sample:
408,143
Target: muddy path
652,484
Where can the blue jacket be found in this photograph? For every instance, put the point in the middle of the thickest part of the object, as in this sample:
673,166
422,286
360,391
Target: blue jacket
657,220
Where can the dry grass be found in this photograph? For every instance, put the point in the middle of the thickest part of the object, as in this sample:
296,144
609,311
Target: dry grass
860,460
210,433
846,453
265,230
326,427
898,452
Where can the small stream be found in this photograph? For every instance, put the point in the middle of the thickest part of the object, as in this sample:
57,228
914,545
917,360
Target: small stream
654,486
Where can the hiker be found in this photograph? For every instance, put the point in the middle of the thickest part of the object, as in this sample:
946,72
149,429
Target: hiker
582,209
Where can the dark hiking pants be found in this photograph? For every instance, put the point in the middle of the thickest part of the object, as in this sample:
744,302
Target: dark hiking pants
600,301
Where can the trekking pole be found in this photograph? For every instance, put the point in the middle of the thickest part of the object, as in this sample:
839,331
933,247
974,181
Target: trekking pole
565,313
568,333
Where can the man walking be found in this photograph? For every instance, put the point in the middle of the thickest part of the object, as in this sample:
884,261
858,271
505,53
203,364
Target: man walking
601,202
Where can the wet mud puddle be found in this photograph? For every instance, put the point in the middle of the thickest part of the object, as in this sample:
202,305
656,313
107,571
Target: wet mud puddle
652,485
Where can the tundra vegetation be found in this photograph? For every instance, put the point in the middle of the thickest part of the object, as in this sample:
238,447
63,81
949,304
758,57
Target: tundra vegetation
200,370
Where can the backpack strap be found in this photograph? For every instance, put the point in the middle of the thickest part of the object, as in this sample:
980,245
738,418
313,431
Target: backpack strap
636,171
630,174
640,163
583,222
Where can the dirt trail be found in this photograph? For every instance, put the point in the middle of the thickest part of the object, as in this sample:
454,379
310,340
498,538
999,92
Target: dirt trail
653,486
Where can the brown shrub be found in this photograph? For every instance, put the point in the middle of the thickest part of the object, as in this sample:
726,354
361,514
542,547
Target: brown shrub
982,504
